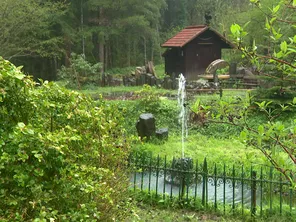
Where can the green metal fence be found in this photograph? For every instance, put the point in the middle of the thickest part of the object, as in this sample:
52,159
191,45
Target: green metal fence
258,190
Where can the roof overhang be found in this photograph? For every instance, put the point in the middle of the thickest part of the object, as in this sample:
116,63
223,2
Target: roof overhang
189,33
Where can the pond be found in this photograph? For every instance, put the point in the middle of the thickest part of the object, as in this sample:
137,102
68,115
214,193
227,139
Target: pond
222,191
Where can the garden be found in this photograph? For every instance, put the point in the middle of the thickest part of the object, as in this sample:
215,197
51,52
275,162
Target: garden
112,140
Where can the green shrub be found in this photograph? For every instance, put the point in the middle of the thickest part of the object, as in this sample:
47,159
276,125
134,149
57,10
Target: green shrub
80,72
61,156
164,110
148,100
277,94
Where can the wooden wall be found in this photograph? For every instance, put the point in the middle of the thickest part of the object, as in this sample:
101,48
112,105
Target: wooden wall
200,52
174,61
193,59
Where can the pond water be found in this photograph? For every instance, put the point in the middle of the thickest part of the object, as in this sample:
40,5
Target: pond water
241,193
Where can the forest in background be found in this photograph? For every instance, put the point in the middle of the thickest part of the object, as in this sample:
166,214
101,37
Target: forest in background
42,34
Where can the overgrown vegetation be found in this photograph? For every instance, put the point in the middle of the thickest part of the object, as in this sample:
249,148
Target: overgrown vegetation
61,156
80,72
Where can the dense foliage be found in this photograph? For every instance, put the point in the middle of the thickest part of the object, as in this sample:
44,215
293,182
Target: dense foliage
61,157
80,72
273,53
42,34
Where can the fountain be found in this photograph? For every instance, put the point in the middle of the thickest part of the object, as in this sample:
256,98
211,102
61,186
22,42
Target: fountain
182,107
181,178
181,166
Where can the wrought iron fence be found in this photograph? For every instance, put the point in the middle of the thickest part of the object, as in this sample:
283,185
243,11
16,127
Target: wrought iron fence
258,190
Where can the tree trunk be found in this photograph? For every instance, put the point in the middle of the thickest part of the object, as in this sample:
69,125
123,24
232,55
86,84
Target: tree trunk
128,52
67,51
101,42
158,43
145,51
152,50
106,57
82,27
101,55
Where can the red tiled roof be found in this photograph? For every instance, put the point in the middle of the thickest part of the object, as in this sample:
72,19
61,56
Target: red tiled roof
188,34
185,36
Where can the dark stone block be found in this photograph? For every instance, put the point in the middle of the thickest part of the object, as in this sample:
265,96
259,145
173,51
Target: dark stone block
162,134
146,125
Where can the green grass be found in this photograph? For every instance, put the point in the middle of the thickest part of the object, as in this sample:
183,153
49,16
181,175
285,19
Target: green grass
96,91
198,147
108,89
121,71
145,212
160,71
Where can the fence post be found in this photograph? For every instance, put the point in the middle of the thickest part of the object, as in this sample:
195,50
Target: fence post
204,181
253,192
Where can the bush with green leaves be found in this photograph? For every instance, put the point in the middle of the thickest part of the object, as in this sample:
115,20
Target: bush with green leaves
80,72
273,59
62,157
275,62
164,110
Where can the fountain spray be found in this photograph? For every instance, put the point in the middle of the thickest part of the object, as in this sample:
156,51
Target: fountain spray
182,106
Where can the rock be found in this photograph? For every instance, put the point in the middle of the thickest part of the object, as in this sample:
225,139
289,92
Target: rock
138,72
144,70
241,70
232,68
146,125
177,176
162,133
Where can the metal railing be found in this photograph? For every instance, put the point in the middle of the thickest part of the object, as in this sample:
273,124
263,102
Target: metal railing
258,190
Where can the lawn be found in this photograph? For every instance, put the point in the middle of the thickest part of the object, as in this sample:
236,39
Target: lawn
219,144
228,151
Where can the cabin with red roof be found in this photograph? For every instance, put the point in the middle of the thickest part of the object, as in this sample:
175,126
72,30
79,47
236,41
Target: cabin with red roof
192,50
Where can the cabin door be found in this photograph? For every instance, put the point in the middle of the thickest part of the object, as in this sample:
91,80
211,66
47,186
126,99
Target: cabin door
206,55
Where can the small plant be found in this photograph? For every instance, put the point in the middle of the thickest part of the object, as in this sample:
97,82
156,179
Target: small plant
80,72
148,100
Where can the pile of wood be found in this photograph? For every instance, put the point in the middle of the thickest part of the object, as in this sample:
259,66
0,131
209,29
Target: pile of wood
147,69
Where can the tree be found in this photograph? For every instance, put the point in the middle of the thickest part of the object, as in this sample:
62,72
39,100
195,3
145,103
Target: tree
276,140
28,28
274,56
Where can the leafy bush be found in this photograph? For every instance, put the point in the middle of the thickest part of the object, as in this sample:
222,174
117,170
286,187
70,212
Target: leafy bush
148,100
61,156
164,110
80,72
277,94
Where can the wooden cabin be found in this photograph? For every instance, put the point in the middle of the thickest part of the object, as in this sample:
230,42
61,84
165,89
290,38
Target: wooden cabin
192,50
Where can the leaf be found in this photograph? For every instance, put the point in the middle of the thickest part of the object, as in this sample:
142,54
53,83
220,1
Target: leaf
19,76
243,135
21,125
294,100
276,9
272,20
284,46
261,129
267,25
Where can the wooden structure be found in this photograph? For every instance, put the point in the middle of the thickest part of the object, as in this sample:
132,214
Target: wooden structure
192,50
